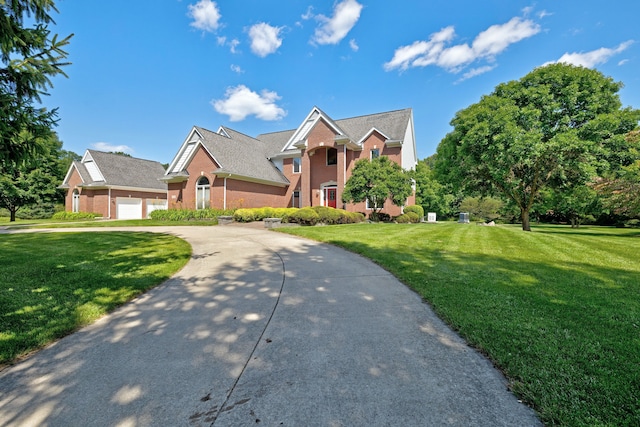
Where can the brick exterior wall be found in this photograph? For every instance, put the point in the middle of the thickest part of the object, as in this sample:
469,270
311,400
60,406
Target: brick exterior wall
315,173
97,201
182,195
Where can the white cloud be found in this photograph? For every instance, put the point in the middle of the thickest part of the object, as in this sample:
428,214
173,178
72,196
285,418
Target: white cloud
265,39
475,72
333,30
105,146
308,14
353,45
624,61
497,38
594,57
486,46
206,15
240,102
236,69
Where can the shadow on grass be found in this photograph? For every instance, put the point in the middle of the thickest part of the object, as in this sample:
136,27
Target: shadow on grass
566,334
203,347
53,284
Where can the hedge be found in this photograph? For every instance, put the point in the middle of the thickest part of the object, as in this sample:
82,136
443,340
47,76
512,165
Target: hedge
74,216
419,210
188,214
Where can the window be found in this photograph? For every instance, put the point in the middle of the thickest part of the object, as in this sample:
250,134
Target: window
375,153
203,193
295,199
75,202
332,156
297,164
376,206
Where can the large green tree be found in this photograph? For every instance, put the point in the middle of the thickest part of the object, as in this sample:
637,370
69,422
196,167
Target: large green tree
31,56
430,194
34,181
620,189
557,127
376,181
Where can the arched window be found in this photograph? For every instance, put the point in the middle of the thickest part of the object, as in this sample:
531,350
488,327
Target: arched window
75,201
203,193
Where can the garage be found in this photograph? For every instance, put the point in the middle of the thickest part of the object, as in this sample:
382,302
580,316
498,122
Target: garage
128,208
155,204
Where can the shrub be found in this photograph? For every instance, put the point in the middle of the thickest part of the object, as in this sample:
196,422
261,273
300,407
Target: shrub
408,217
188,214
244,215
328,215
284,213
74,216
379,217
419,210
633,223
305,216
402,219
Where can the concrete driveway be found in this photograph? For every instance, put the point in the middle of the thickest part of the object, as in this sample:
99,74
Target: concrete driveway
261,328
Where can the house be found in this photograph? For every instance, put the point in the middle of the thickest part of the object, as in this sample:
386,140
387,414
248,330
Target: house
306,166
115,186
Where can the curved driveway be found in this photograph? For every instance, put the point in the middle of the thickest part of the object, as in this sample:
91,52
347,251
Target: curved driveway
262,328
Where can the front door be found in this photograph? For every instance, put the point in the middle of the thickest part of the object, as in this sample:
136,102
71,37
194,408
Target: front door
330,197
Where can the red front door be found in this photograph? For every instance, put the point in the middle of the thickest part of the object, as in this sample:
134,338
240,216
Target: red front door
330,197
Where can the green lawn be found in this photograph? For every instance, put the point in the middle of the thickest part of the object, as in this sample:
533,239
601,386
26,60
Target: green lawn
557,309
50,223
54,283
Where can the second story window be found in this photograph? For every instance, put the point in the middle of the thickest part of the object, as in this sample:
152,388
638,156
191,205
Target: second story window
332,156
297,164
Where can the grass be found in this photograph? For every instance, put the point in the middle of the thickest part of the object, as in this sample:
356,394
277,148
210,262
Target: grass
51,284
49,223
557,309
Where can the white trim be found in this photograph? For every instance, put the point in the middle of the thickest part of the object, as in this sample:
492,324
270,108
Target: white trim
223,132
324,186
368,134
75,200
124,188
251,179
206,202
224,194
293,165
67,177
109,205
188,140
302,131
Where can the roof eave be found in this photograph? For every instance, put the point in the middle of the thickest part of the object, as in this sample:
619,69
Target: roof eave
393,143
223,174
345,140
286,155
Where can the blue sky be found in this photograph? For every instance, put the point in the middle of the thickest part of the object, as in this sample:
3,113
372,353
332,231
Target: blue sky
145,71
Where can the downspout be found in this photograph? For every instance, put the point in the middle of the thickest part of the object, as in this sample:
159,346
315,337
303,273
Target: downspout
109,204
344,174
224,193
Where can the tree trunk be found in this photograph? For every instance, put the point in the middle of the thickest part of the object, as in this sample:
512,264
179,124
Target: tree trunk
12,210
524,214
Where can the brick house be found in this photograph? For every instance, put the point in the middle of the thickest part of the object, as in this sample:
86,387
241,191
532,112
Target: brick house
306,166
115,186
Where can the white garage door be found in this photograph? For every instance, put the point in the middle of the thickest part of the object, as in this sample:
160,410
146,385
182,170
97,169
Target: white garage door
155,204
128,208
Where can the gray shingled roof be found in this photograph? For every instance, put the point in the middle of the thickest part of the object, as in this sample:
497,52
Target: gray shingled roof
119,170
241,155
392,123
